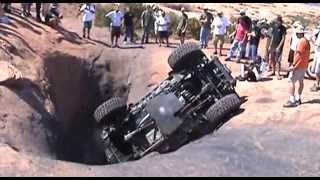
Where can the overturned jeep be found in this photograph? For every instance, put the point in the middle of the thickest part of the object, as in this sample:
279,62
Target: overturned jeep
196,97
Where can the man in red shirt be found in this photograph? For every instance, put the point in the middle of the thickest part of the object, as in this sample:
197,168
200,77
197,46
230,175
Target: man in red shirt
298,68
239,40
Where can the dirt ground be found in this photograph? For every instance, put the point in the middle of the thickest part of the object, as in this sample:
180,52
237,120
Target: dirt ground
264,140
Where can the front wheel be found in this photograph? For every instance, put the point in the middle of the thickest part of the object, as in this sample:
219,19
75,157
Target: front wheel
223,107
107,148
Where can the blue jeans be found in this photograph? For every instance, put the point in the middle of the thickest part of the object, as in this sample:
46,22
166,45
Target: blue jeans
129,33
236,45
204,36
253,52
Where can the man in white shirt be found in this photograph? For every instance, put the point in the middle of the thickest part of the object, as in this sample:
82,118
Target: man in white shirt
163,23
116,17
293,43
220,25
88,10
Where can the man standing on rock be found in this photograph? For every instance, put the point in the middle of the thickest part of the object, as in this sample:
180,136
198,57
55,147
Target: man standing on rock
239,40
298,68
146,24
278,35
163,23
88,10
116,17
205,20
220,25
128,25
254,39
156,15
182,26
248,23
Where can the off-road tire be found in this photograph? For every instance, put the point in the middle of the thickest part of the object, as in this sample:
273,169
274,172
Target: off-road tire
309,74
223,107
185,55
110,108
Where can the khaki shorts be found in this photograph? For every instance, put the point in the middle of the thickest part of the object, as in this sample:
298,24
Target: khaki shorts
296,75
218,38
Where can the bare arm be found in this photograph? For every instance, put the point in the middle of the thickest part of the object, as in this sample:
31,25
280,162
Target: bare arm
281,42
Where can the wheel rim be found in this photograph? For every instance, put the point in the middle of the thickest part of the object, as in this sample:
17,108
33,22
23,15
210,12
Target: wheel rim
309,71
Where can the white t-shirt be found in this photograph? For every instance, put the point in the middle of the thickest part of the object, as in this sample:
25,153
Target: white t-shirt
317,43
88,12
163,23
295,40
156,16
116,18
220,24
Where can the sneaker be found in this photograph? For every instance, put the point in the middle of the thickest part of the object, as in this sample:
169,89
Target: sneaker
227,59
298,102
23,15
290,104
315,88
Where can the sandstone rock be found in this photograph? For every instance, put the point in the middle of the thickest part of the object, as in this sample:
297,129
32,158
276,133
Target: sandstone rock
8,72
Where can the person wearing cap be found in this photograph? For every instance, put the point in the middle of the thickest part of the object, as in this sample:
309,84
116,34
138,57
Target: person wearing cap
146,24
182,25
293,42
116,17
316,61
278,35
206,19
219,26
298,68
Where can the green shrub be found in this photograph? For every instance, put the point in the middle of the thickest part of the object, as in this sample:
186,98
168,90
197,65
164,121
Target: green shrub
304,21
137,9
174,20
101,10
193,30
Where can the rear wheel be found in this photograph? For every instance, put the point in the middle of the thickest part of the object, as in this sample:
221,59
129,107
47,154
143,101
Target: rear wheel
186,55
223,107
